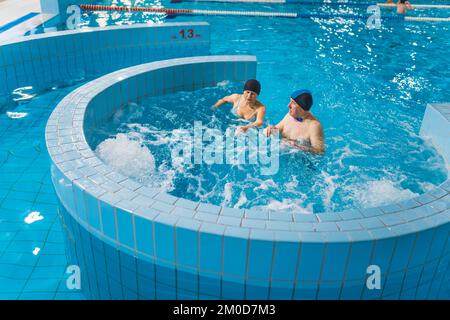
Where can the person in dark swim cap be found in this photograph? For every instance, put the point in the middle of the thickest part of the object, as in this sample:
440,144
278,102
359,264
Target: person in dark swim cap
403,6
300,127
246,105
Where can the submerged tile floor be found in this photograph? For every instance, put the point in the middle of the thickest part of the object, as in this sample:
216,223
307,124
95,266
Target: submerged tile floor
33,261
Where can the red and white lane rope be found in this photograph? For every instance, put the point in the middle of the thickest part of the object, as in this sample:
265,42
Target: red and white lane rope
190,11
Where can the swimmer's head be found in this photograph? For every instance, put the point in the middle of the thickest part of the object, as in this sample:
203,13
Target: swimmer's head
253,86
303,98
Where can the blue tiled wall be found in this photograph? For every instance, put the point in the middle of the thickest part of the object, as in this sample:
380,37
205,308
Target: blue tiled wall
46,60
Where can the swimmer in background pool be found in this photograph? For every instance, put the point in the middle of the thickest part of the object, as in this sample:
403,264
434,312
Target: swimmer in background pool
246,105
299,126
403,6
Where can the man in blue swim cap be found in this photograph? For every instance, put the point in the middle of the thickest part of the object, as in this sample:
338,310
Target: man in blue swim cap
300,127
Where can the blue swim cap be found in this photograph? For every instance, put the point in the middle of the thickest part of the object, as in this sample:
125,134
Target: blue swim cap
303,97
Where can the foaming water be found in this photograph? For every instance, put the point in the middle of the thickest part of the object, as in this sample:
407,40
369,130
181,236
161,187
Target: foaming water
127,155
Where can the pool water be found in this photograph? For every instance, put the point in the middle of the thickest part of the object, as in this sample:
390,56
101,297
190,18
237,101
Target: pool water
370,91
33,256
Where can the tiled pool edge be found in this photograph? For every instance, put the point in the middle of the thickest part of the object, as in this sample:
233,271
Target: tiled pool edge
119,221
51,59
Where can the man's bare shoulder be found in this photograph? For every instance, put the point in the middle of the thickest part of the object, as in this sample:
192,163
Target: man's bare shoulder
315,125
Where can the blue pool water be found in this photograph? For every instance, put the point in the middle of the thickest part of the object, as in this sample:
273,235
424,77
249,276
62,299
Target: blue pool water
33,256
370,90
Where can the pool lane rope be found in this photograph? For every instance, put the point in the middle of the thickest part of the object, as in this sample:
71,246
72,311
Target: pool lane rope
359,4
292,15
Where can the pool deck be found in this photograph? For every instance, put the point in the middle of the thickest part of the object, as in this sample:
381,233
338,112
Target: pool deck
18,17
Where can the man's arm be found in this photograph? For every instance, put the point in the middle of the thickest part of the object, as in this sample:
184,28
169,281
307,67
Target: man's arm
317,139
279,127
227,99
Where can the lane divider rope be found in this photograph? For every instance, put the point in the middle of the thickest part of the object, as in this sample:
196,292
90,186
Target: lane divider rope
361,4
170,11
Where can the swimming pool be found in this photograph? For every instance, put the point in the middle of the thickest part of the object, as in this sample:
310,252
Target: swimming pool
369,86
406,86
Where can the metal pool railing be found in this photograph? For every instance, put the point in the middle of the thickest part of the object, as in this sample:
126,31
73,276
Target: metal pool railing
292,15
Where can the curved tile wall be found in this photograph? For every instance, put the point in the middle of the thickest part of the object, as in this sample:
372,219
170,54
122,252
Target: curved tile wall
54,59
154,245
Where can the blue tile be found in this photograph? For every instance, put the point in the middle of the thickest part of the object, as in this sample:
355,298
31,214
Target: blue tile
116,290
303,217
145,268
421,248
108,220
234,255
305,290
187,279
80,202
349,225
187,242
335,261
285,261
371,212
391,219
233,288
310,264
208,208
402,253
164,242
257,289
210,252
125,228
256,214
281,290
42,285
165,292
411,279
329,290
371,223
232,212
260,259
325,226
391,208
254,223
359,259
210,284
127,261
146,287
329,217
129,279
392,286
37,296
352,290
144,235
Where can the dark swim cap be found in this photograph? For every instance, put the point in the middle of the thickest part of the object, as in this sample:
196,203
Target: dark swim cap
303,98
253,85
